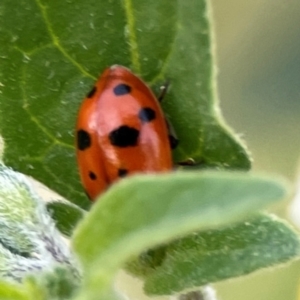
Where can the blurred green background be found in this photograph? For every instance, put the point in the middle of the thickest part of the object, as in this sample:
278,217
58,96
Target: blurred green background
258,57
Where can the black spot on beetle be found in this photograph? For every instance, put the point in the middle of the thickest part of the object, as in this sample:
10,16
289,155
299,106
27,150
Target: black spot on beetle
122,172
122,89
92,175
146,114
124,136
92,92
84,140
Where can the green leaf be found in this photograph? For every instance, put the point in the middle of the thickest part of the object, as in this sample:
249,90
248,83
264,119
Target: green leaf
29,240
66,216
9,291
143,211
193,107
216,255
52,51
23,214
58,284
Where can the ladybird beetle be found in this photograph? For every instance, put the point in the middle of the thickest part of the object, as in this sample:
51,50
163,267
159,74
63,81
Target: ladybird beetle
120,130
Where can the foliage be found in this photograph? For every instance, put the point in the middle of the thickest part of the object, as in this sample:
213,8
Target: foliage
167,229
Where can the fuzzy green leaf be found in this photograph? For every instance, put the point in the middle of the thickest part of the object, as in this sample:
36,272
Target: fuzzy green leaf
215,255
29,240
19,210
52,51
59,284
9,291
143,211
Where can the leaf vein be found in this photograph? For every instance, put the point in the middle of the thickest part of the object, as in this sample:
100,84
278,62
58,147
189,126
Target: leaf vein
34,119
133,45
57,43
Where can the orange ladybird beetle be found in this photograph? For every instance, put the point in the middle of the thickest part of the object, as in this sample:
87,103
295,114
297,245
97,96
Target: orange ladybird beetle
120,130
